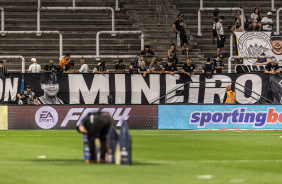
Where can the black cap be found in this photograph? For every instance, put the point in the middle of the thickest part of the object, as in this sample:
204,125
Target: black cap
120,61
46,77
71,62
276,36
28,87
220,56
179,15
159,59
208,59
1,62
147,46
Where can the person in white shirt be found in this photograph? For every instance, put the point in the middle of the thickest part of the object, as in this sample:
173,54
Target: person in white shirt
220,34
84,66
256,20
267,22
34,67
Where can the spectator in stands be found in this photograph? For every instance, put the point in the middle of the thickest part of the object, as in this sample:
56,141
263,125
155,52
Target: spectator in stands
84,66
178,27
158,67
65,60
101,68
215,20
69,68
237,26
170,68
3,70
241,68
275,51
247,25
50,67
119,67
272,67
143,68
133,69
255,17
148,56
218,64
208,69
49,84
220,34
229,97
34,67
267,22
188,69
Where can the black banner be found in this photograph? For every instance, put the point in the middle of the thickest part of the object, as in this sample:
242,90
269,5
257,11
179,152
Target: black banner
9,88
134,89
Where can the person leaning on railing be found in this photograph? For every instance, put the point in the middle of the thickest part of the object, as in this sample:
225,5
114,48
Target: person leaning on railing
272,67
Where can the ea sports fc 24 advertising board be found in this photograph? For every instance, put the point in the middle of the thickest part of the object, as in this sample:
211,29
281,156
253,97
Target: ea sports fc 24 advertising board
220,117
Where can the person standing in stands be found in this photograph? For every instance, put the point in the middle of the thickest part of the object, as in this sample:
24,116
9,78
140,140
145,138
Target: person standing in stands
218,64
220,34
178,27
50,67
119,67
267,22
215,20
241,68
208,69
148,56
170,68
143,68
34,67
3,70
255,17
101,68
65,60
188,69
84,66
229,97
158,67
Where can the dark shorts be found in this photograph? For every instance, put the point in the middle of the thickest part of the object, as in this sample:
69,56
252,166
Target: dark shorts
220,43
214,33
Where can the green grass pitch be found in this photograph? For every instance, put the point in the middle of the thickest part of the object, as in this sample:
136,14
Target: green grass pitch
251,157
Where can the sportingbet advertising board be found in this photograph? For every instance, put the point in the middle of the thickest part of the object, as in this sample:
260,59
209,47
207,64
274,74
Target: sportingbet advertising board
220,117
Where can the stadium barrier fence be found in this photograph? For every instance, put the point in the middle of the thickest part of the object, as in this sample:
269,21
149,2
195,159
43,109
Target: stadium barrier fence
16,57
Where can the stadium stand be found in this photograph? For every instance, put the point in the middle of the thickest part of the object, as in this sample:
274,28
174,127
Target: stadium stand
79,28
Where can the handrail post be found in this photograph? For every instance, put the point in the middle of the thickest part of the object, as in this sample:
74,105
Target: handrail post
97,45
61,44
2,20
201,4
229,64
278,19
199,23
166,24
73,3
243,17
272,6
38,16
231,45
117,5
142,41
23,64
113,20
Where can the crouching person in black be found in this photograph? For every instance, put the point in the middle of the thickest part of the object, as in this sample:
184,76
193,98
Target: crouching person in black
208,69
96,125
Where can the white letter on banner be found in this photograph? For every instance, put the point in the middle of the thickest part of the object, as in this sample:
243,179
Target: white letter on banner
138,85
124,116
194,92
1,88
70,116
256,87
11,89
85,112
210,92
120,89
100,84
171,86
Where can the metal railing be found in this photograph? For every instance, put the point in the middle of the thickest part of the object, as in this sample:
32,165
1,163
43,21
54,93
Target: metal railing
164,10
39,33
272,6
243,57
16,57
278,19
116,32
2,19
104,56
73,8
211,9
